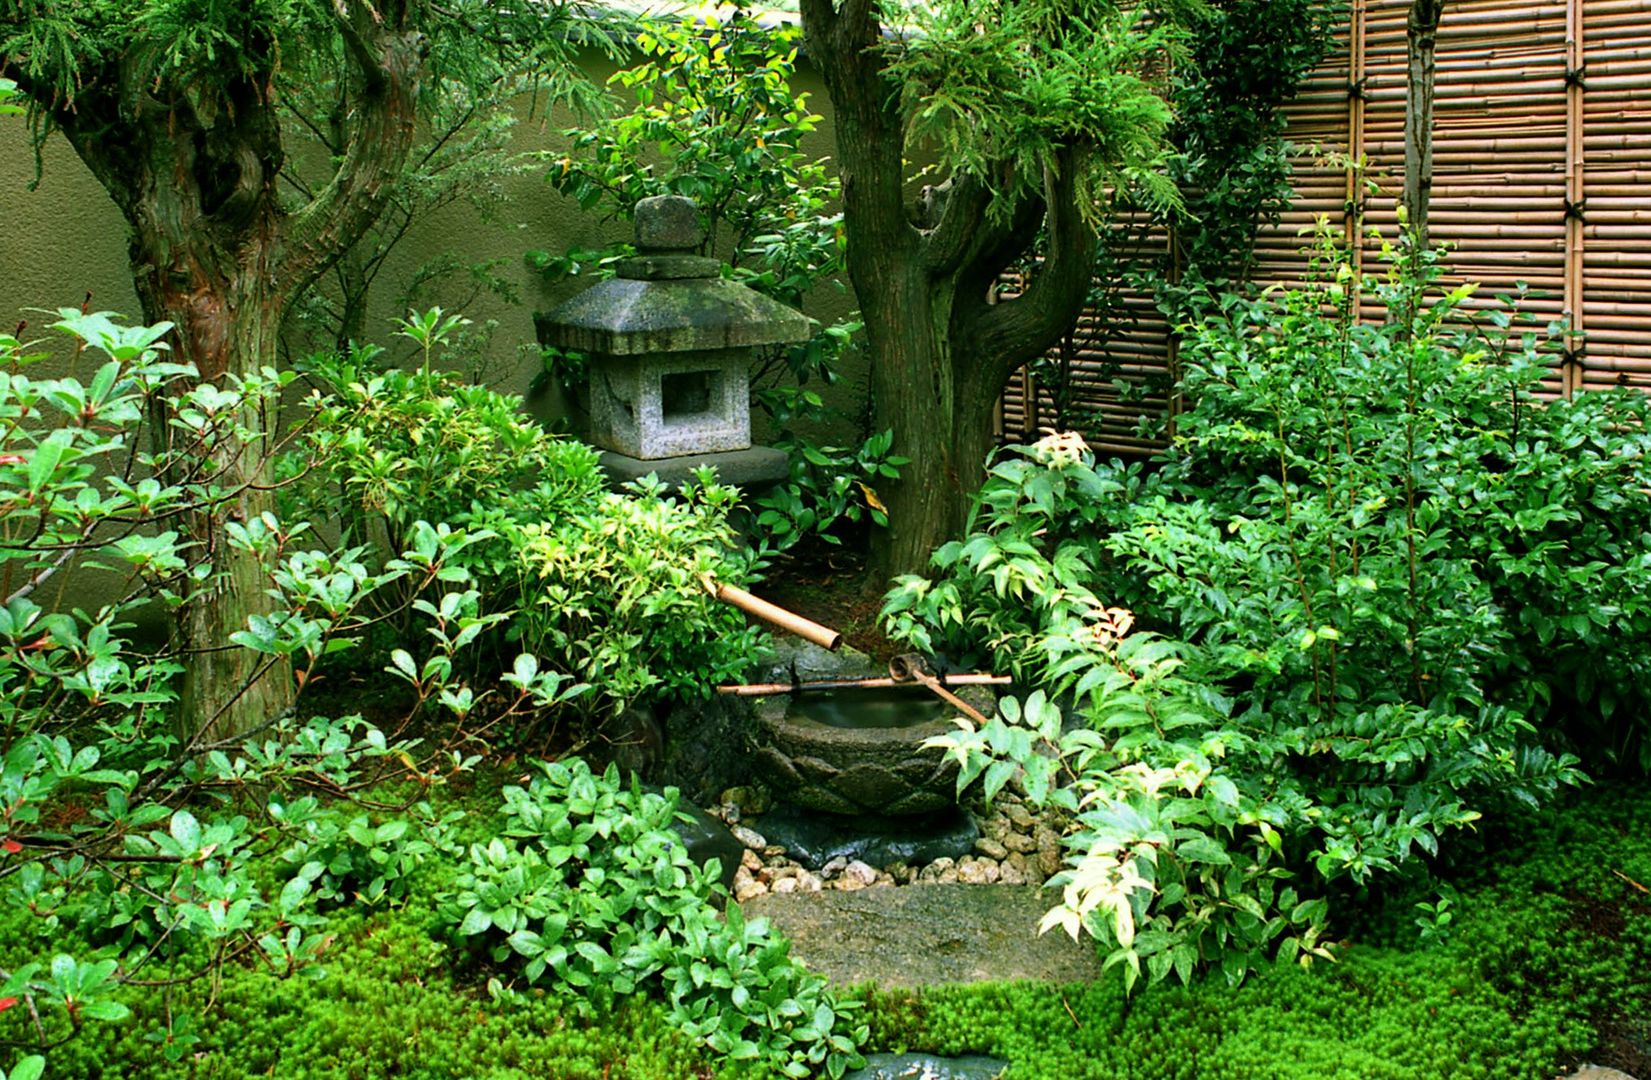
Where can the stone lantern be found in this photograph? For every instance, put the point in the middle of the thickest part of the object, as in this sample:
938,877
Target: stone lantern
669,343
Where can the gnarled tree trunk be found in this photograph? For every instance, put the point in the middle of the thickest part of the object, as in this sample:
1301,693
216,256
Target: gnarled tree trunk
940,353
191,158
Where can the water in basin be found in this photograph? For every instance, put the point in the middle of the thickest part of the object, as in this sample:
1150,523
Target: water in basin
874,707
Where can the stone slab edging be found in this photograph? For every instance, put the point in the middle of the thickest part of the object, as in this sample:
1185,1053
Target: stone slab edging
927,935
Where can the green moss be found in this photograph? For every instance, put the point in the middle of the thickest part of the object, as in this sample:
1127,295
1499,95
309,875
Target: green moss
1549,964
388,1007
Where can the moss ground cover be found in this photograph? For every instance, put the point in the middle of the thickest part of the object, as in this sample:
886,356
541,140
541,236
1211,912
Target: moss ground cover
1547,962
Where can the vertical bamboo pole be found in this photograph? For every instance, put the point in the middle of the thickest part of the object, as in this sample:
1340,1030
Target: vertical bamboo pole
1575,194
1172,343
1355,129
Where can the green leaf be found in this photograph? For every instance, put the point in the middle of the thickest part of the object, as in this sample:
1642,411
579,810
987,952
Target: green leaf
1203,849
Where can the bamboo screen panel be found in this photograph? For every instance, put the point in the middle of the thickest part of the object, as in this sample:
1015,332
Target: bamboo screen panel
1542,175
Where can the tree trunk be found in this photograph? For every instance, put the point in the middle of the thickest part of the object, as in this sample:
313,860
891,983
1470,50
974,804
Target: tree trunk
914,394
940,354
226,328
192,161
1422,38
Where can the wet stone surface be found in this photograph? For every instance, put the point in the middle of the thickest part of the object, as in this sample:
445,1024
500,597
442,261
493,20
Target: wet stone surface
815,839
927,935
928,1067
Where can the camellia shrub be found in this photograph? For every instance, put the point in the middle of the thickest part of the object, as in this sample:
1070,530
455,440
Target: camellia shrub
1335,624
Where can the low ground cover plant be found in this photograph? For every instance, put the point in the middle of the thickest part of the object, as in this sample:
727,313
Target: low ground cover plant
1330,629
585,885
1545,968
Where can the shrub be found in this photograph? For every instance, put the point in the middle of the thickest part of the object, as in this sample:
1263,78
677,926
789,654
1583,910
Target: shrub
605,588
135,838
587,885
1371,560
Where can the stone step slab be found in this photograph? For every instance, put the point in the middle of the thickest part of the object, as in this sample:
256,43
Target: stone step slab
927,935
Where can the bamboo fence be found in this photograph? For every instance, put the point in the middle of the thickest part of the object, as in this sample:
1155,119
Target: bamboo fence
1542,175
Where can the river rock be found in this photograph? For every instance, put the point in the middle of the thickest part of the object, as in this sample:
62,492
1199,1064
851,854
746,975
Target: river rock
926,935
815,838
992,849
1049,850
1018,842
705,837
1019,816
927,1067
860,872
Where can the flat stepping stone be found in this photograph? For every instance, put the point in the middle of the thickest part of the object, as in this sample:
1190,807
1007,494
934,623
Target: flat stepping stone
928,1067
927,935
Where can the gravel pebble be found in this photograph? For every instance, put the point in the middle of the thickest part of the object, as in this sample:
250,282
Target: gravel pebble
992,849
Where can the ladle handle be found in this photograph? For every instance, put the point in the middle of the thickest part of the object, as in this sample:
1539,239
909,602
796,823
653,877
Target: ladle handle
912,666
789,621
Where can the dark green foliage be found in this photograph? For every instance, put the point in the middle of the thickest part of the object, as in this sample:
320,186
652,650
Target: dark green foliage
1243,61
601,587
1246,59
1548,966
1372,558
587,886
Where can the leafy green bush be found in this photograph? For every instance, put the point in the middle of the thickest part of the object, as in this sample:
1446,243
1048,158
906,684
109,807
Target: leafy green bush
1370,561
604,588
132,834
587,885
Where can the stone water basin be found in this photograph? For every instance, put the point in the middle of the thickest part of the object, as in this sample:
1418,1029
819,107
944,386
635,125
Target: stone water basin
860,750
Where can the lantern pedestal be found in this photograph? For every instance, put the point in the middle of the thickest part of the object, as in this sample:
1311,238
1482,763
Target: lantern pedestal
752,467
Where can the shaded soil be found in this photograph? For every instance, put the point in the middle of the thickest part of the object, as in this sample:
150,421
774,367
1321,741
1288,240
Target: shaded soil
840,595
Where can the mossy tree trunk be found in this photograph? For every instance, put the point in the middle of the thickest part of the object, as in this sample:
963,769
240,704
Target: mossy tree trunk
192,158
940,353
1420,48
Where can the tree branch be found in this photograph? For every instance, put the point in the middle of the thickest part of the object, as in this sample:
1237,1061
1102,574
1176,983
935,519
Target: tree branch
949,241
389,56
1008,334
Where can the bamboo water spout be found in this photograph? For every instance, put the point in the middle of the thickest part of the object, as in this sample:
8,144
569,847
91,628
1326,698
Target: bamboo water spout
789,621
912,667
